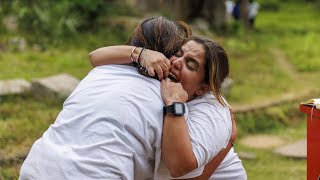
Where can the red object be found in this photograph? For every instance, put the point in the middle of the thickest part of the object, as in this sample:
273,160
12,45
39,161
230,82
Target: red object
313,141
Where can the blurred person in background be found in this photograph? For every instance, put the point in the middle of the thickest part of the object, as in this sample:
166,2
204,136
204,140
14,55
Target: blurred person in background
252,12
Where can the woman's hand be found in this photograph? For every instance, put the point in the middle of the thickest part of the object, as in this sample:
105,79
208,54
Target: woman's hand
172,92
155,62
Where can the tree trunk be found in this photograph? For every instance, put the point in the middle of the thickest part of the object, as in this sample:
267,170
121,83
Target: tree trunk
216,14
148,5
213,11
244,13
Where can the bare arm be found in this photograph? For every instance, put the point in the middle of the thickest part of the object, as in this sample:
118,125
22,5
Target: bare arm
153,61
177,151
112,55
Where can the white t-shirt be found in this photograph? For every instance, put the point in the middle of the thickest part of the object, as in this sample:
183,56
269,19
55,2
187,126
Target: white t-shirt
230,168
253,9
210,127
229,6
109,128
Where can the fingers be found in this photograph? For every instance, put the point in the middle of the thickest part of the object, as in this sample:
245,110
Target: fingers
166,68
165,82
159,72
156,63
150,71
161,67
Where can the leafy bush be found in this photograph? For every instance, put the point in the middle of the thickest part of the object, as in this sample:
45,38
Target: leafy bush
61,18
271,5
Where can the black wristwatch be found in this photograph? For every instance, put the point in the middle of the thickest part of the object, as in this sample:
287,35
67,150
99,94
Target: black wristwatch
176,108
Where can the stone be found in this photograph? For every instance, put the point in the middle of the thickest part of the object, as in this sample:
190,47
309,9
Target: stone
295,150
247,155
60,85
10,23
262,141
13,87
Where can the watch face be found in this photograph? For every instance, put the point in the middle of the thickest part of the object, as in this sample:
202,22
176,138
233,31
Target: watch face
179,109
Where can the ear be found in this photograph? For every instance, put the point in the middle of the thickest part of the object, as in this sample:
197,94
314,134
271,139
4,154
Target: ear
202,90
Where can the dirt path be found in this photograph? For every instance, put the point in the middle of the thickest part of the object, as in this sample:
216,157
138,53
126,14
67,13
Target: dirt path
283,62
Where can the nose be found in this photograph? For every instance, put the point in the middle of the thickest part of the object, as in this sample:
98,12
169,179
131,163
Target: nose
176,63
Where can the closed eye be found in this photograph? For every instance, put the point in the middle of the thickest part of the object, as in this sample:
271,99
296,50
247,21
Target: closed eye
192,64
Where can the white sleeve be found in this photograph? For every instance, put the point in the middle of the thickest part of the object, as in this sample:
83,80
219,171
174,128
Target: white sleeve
209,128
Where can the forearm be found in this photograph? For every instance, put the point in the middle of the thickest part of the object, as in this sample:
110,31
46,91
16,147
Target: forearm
120,54
177,150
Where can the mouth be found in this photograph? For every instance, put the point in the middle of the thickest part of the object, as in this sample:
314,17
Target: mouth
173,77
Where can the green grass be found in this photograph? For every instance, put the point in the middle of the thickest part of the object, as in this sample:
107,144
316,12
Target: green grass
293,30
23,120
34,64
268,165
298,39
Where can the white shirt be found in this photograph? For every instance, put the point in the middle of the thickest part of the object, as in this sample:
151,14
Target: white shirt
253,9
210,128
109,128
229,6
230,168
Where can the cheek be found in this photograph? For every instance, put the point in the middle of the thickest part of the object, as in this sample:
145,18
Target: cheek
188,84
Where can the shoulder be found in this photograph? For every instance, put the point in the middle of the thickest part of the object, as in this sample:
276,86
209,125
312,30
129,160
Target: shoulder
208,100
207,109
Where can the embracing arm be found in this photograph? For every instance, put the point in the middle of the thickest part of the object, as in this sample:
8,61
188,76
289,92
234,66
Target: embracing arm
113,55
153,61
177,151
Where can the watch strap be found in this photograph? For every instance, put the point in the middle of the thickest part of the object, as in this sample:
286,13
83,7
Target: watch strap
176,108
168,109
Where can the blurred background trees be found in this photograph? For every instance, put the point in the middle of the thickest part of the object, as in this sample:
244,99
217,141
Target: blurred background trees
60,17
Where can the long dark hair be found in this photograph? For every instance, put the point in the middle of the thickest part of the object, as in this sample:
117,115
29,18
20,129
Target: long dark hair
216,67
160,34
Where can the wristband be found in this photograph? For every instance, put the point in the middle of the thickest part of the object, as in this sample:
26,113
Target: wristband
131,55
138,60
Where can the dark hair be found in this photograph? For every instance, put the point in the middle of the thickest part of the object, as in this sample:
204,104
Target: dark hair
216,66
160,34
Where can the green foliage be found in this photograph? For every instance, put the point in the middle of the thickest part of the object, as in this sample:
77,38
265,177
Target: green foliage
270,119
62,19
257,122
270,5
